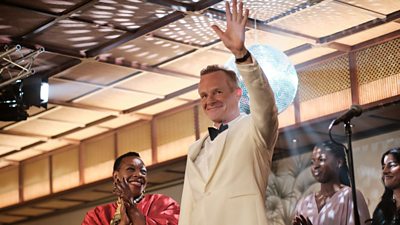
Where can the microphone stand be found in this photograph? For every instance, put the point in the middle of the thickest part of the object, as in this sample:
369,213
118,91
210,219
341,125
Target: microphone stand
349,153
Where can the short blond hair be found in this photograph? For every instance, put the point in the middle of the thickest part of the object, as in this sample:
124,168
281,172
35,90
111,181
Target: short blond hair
230,73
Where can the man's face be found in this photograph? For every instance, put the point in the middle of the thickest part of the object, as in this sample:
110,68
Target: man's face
219,97
133,170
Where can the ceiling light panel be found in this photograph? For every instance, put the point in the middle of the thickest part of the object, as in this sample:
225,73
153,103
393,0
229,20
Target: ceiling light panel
77,116
97,73
162,106
369,34
202,59
15,21
116,99
323,19
193,30
380,6
190,96
47,63
85,133
6,149
51,145
265,10
77,36
50,6
57,90
23,154
157,83
120,121
260,37
41,127
310,54
147,50
124,14
17,141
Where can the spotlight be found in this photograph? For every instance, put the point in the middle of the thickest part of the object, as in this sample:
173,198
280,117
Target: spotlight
35,92
11,104
20,96
18,89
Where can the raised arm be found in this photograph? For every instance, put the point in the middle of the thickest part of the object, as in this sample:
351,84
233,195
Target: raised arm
262,101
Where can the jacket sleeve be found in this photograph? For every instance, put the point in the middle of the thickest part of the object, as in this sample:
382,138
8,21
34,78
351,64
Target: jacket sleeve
161,210
186,202
263,110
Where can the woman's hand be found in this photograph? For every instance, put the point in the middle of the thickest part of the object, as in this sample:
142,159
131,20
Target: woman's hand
124,216
301,220
121,189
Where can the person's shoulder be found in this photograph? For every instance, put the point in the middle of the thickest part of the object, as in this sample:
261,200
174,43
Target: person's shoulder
306,198
160,199
157,196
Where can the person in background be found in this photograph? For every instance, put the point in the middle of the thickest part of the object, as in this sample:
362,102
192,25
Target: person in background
227,171
387,212
133,206
333,203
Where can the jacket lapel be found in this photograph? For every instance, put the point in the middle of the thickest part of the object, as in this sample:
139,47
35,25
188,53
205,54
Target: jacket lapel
192,155
219,149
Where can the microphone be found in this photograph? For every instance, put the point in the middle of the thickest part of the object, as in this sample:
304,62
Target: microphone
354,111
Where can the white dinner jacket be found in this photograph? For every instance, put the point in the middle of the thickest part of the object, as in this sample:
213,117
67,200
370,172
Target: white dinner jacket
234,191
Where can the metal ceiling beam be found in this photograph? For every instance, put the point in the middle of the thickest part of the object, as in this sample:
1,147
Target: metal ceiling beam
378,40
180,6
298,49
203,4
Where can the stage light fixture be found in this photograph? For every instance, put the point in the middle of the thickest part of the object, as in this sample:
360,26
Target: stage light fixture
18,89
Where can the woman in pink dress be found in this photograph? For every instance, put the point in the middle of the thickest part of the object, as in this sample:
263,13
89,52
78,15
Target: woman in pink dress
333,203
133,206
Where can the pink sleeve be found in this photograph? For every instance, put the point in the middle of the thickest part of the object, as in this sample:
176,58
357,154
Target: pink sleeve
160,210
100,215
91,218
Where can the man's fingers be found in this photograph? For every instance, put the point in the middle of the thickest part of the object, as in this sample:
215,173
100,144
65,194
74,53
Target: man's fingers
218,31
245,17
228,12
240,12
234,10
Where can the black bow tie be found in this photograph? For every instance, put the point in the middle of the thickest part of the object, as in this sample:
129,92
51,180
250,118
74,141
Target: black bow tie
214,131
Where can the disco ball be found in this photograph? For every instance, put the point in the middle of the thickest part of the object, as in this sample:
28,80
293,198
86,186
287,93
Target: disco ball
279,71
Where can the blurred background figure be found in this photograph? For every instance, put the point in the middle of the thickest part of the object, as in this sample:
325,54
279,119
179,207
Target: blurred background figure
133,206
332,204
387,211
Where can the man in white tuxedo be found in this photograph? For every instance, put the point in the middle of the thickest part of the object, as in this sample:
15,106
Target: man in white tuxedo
226,176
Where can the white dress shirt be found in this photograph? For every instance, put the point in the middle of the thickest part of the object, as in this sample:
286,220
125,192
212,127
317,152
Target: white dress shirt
205,155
